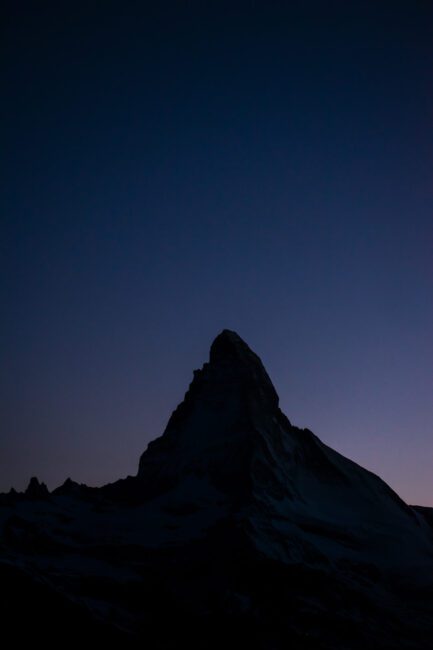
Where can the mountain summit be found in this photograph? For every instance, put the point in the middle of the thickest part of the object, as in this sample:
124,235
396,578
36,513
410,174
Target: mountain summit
238,525
230,356
216,427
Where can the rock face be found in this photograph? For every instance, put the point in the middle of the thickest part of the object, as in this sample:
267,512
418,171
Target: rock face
214,431
239,529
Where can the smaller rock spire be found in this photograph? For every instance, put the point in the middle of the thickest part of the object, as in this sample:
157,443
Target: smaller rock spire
36,490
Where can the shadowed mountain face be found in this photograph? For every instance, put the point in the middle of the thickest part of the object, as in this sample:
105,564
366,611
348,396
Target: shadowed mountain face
239,528
215,431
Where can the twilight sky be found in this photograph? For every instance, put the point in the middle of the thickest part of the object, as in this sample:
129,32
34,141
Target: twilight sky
174,168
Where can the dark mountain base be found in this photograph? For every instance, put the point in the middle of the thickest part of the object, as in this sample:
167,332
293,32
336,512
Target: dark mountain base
213,594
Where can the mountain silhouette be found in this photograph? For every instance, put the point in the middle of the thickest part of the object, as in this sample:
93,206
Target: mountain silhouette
238,529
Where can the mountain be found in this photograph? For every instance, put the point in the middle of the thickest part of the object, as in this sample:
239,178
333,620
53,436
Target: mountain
238,529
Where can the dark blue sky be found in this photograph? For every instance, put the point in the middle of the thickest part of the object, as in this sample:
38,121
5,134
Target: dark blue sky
174,168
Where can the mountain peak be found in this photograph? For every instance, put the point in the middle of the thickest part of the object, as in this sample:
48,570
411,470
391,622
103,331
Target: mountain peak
229,399
228,345
232,360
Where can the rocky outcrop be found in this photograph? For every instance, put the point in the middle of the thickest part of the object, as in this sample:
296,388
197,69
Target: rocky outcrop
36,490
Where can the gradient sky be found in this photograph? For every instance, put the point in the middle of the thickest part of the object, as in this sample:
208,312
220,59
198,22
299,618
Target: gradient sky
175,169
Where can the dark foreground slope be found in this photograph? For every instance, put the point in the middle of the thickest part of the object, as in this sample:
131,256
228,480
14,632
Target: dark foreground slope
239,529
